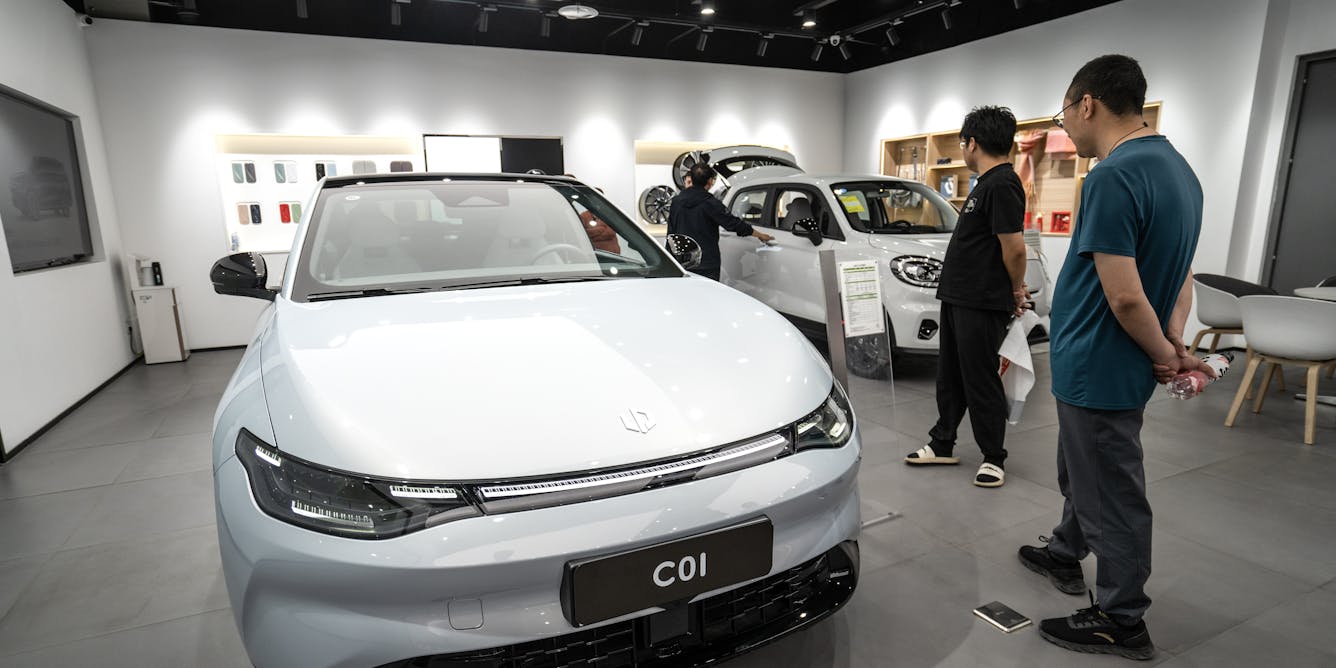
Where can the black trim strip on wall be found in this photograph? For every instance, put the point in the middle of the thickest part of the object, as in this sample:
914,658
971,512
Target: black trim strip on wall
7,456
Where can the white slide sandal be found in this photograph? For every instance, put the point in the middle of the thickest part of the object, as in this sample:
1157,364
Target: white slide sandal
925,455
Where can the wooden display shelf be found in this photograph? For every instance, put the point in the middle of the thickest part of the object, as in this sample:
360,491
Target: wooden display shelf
1054,187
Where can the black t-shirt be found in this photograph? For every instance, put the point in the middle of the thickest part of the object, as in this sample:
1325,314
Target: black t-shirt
973,274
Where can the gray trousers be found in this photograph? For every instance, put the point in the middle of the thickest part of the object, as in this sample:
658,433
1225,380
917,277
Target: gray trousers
1105,510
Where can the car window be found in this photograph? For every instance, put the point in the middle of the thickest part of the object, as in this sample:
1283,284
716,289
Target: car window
750,205
895,207
792,206
439,235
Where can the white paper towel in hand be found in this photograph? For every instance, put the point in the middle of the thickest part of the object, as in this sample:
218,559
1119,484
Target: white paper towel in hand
1015,365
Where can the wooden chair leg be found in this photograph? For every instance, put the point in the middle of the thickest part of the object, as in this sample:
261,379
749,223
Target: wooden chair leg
1253,362
1215,341
1196,340
1310,406
1266,385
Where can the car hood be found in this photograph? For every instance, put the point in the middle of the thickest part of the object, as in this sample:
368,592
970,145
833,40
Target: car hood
931,245
513,382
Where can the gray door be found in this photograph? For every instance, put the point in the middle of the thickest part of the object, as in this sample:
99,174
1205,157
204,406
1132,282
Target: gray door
1304,246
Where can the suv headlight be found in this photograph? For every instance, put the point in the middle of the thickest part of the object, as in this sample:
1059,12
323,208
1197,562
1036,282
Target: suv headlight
344,504
829,426
917,270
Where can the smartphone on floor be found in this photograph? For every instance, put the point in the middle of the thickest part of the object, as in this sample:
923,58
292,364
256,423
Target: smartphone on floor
1002,617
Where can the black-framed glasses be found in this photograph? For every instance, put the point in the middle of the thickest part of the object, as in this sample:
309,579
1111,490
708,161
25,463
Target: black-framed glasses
1057,118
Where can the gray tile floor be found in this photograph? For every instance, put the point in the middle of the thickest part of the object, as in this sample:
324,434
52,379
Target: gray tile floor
109,556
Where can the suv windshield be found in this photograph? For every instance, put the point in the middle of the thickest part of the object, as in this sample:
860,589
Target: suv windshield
411,236
895,207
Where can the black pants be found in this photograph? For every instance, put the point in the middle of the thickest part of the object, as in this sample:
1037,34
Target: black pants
1105,511
968,379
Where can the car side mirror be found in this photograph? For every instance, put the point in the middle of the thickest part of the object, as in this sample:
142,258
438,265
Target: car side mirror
685,250
810,229
242,275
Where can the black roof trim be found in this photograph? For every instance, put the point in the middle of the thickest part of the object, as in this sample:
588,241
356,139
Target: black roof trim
417,177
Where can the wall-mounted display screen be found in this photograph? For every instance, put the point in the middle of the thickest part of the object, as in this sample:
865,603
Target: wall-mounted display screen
41,192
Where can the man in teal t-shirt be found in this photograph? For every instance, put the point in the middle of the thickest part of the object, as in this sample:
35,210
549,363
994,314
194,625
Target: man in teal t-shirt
1118,313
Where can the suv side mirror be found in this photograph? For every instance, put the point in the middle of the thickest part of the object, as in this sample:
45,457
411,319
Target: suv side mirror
810,229
242,275
685,250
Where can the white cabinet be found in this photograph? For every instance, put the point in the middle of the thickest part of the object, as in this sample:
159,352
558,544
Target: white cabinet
160,325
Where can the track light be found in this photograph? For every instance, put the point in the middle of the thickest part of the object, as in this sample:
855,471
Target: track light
816,52
893,34
483,13
764,44
809,20
545,28
1018,4
301,10
946,18
704,37
844,50
396,14
639,32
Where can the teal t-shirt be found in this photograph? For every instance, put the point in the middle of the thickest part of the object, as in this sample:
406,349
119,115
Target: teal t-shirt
1144,202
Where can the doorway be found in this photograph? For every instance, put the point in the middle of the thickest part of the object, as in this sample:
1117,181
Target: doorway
1302,235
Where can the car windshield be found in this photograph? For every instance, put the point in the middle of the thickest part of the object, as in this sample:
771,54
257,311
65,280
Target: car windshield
895,207
413,236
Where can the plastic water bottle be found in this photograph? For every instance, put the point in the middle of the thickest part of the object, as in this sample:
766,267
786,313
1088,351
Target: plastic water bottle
1190,384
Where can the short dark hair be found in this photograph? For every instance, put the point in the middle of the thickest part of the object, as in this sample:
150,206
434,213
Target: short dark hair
992,128
1115,80
701,173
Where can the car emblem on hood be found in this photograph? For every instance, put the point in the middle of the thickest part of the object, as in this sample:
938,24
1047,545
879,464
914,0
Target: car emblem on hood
639,421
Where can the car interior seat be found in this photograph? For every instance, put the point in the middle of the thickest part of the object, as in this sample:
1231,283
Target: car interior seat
374,246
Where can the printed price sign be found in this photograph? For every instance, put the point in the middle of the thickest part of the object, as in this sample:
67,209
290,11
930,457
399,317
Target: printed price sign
860,290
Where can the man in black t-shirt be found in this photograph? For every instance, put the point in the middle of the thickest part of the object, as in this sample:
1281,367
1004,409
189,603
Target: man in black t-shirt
982,286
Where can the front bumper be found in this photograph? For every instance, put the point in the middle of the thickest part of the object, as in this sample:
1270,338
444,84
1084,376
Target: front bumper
309,599
915,315
703,632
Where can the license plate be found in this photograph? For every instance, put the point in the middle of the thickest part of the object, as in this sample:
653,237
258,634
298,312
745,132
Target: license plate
600,588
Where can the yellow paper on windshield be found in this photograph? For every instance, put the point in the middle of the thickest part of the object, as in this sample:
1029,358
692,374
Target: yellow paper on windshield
851,203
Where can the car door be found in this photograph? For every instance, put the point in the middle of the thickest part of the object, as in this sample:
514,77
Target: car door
740,257
791,268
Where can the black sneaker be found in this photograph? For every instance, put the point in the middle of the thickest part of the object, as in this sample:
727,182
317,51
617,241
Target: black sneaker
1066,576
1092,632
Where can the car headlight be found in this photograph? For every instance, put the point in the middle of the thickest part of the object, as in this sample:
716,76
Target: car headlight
917,270
344,504
830,426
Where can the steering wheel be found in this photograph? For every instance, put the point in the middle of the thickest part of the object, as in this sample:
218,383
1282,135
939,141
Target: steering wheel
902,224
568,252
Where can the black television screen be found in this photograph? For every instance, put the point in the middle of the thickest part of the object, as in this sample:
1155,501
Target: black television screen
41,192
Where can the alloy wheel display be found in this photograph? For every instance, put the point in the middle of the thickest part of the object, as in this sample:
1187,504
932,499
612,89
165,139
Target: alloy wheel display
654,202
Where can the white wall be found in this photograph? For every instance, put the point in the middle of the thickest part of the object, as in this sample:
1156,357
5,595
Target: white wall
1294,28
64,329
1200,57
165,91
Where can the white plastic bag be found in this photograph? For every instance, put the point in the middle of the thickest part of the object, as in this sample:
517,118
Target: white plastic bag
1015,364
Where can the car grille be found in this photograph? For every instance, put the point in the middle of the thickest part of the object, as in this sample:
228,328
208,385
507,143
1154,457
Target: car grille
719,626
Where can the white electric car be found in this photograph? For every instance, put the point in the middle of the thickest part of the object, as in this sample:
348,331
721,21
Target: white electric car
487,421
902,225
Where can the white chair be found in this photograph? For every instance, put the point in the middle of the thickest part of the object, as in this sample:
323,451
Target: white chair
1287,330
1218,309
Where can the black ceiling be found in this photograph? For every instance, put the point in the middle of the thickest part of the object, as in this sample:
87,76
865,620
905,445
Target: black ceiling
668,29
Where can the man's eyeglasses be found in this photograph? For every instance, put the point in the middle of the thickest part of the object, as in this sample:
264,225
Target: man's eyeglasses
1057,118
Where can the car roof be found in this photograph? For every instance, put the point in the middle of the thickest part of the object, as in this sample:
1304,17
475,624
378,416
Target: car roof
809,178
420,177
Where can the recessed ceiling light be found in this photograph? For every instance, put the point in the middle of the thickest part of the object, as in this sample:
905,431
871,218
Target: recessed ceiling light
707,10
809,20
578,12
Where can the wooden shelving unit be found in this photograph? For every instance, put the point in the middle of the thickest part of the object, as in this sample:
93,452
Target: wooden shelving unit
1055,186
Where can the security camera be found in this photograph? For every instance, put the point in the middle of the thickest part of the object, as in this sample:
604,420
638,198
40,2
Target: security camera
83,20
835,40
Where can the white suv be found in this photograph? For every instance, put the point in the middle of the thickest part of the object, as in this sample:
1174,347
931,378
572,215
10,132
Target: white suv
902,225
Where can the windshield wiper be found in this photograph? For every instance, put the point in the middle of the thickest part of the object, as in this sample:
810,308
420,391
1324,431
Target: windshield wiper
532,280
366,292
